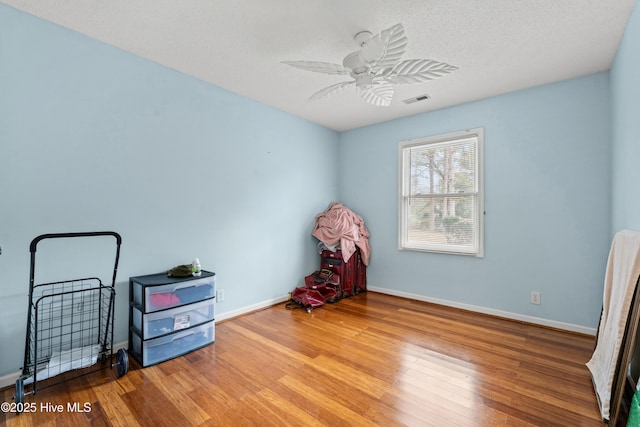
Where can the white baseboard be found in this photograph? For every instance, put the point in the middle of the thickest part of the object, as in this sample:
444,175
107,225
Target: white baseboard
9,379
493,312
248,309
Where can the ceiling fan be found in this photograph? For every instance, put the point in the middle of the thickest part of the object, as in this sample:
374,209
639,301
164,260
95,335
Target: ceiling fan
376,67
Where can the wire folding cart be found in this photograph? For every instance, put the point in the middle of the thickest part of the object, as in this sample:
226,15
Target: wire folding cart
69,326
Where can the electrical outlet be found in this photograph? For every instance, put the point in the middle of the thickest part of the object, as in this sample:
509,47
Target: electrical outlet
535,297
219,295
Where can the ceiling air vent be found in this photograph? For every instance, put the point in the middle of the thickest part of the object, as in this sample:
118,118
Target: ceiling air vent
416,99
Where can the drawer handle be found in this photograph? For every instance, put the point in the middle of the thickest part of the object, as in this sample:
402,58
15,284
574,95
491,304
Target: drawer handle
183,336
173,339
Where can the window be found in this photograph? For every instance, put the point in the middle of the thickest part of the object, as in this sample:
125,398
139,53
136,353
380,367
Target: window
441,194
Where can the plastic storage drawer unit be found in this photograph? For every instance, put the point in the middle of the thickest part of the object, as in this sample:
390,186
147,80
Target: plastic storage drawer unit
158,291
168,347
171,320
170,316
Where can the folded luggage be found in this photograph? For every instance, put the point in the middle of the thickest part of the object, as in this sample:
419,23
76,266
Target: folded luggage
321,287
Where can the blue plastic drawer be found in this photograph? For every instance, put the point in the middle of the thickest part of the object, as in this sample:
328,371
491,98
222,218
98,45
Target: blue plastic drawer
169,346
171,320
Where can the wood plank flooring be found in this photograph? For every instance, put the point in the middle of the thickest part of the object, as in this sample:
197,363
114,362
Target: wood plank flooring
369,360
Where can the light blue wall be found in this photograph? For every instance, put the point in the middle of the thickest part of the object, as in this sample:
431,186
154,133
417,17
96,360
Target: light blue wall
625,107
93,138
547,183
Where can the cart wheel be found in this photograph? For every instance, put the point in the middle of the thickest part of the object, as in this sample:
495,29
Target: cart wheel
123,362
19,396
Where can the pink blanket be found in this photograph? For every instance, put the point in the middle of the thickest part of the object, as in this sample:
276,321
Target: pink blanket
339,224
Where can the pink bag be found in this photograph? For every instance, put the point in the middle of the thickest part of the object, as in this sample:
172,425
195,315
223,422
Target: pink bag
307,298
321,287
325,279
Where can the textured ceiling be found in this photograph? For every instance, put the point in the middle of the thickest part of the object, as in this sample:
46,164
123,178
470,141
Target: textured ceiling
498,45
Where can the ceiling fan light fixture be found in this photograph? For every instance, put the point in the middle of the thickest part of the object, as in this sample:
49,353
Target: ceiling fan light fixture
376,67
354,63
364,81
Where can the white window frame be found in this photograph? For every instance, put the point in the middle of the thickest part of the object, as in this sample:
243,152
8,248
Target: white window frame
477,247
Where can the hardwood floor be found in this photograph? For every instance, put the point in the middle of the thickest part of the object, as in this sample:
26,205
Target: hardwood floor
372,359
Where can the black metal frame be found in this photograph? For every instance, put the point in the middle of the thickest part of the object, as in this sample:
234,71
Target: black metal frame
68,316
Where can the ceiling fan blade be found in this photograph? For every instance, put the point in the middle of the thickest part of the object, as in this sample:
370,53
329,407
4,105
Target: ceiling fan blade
385,49
318,67
379,94
330,90
418,70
